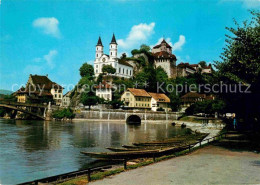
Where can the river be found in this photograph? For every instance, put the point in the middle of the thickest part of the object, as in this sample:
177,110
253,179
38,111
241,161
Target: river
31,150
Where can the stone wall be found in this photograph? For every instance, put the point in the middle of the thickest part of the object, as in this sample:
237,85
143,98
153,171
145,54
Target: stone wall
123,115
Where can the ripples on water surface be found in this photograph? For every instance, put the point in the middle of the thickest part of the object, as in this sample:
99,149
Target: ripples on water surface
35,149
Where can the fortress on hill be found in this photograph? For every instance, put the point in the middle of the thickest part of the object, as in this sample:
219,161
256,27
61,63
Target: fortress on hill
160,56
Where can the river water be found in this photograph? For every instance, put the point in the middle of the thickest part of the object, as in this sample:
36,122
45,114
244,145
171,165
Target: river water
31,150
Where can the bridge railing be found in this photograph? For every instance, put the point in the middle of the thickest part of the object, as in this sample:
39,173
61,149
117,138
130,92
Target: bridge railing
22,104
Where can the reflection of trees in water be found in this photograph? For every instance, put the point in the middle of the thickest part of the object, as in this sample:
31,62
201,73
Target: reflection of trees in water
115,138
38,136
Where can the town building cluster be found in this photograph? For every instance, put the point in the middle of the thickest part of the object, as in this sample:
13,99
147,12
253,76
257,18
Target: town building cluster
41,89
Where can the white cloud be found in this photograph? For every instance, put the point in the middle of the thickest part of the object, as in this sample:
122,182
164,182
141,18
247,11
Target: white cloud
138,34
177,45
48,25
48,58
246,3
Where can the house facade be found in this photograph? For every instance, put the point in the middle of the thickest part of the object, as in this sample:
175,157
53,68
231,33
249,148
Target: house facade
66,99
104,90
185,69
193,97
40,89
136,99
160,101
123,69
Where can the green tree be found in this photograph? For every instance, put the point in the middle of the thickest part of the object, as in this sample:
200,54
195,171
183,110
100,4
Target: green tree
202,64
87,70
145,47
89,99
241,55
108,69
135,51
240,64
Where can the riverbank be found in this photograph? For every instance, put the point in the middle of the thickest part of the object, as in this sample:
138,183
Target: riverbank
208,165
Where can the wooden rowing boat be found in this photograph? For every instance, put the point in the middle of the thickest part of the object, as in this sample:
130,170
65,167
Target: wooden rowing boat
134,154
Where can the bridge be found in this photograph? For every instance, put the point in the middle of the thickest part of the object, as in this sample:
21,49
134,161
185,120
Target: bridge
25,108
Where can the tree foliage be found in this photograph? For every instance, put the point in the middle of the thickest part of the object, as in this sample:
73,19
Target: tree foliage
145,47
202,64
86,70
208,107
108,69
240,59
63,113
89,99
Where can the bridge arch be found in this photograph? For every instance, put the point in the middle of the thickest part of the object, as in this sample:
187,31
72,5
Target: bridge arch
133,119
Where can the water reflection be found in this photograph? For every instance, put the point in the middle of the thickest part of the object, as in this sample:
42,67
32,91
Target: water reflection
39,149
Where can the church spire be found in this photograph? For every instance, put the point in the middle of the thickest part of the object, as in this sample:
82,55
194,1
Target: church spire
113,41
99,43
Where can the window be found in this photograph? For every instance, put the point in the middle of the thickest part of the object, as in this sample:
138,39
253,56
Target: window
97,55
130,72
127,71
123,70
119,70
111,53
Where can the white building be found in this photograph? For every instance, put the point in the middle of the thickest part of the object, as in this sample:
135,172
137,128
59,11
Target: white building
66,99
104,90
160,100
123,69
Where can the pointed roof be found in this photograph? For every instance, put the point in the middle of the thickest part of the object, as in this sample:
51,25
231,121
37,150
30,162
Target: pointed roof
163,41
99,43
113,41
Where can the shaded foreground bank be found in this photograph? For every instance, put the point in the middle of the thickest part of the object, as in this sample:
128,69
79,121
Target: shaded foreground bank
209,165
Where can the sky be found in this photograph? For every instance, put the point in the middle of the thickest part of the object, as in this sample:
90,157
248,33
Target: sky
56,37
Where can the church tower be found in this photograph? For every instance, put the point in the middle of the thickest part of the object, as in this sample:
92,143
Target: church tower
99,48
113,47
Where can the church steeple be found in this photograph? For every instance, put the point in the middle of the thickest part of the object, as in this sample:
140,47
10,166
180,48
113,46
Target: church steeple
99,48
113,41
99,43
113,47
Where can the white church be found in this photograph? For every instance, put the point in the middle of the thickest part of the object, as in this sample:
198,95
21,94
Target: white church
123,69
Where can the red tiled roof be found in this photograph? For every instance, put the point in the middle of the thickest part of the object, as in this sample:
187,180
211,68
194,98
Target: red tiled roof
103,85
160,97
44,82
139,92
194,65
193,95
183,65
164,54
163,41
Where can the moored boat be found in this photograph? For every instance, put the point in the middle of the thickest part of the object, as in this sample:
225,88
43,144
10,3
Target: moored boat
135,154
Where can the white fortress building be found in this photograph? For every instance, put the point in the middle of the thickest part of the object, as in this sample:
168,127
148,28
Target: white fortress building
123,69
